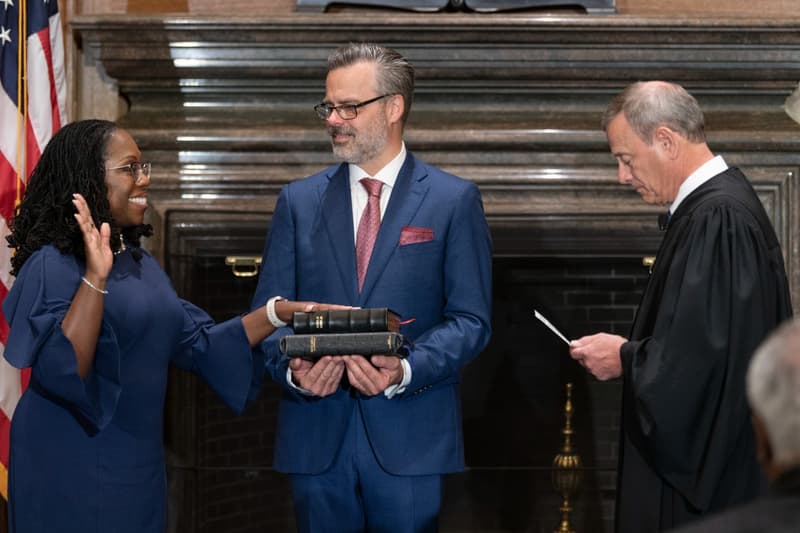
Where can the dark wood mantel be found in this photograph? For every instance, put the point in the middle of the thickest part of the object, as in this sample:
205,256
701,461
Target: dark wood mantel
223,108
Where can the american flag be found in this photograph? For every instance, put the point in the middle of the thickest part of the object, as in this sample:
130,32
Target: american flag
32,108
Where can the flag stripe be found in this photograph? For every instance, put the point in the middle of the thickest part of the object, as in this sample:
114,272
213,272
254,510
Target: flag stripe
8,196
57,79
40,117
8,133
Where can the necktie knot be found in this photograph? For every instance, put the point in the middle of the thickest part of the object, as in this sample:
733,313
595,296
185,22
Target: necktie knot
372,186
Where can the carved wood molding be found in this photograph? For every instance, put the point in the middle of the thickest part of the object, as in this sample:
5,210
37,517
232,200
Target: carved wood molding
451,46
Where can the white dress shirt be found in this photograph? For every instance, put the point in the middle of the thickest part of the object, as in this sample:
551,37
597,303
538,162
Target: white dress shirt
358,194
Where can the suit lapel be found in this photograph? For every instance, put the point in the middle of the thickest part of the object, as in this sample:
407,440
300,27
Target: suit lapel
407,195
337,222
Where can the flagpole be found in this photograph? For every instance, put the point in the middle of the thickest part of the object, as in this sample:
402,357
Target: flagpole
22,97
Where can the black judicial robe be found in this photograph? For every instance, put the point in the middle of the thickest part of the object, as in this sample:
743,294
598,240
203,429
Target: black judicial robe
717,288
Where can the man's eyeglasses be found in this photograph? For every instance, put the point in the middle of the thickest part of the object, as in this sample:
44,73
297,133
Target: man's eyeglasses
138,171
346,111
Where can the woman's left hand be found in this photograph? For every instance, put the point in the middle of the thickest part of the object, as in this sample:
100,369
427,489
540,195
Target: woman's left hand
99,257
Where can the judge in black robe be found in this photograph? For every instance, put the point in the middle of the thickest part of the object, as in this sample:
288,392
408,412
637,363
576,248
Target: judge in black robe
717,288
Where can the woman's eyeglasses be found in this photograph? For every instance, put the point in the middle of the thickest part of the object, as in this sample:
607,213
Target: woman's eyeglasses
138,171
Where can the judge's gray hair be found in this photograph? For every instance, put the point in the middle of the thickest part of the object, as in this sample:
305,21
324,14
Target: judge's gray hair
652,104
773,390
395,73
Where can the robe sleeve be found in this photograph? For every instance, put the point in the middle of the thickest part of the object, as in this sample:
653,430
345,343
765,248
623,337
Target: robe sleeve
221,355
685,385
34,309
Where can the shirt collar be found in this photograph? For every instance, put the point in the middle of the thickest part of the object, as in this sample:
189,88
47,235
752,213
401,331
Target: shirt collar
707,170
388,174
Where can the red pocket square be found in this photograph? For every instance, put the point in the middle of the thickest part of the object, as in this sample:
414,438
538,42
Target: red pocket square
411,235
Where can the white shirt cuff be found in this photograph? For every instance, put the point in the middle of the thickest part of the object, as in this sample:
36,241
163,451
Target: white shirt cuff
400,388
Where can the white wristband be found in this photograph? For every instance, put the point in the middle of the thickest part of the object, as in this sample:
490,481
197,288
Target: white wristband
272,316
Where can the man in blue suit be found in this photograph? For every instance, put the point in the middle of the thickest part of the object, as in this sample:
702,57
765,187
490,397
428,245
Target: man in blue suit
366,441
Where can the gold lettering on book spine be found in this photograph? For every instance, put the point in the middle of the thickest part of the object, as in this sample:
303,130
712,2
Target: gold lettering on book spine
318,322
312,344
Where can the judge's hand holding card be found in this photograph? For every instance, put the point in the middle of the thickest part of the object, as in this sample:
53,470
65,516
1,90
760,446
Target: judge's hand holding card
599,354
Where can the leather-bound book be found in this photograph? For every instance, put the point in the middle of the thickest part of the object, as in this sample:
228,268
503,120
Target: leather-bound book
315,346
346,321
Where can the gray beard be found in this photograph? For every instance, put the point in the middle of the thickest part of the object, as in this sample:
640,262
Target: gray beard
359,152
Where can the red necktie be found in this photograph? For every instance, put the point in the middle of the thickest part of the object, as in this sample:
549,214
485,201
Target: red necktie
368,227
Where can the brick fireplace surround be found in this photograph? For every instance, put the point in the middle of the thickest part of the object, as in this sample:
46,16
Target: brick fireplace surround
223,108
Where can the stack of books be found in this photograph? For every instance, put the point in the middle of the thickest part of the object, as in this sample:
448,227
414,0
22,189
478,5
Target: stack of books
344,332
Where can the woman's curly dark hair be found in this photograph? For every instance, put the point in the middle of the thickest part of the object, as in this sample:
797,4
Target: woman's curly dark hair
72,162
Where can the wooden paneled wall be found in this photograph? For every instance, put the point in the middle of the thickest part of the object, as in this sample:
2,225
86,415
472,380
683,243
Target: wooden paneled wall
92,95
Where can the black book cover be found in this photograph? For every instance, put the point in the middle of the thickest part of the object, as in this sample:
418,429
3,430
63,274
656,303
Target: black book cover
315,346
346,321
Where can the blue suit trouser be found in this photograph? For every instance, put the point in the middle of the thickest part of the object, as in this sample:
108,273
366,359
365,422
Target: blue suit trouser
357,495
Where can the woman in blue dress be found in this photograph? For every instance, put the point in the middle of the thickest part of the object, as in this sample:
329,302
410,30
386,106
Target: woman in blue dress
97,321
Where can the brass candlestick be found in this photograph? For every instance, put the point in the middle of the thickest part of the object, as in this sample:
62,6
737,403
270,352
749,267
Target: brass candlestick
566,468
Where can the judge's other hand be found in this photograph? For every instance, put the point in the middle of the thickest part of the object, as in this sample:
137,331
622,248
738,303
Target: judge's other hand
373,376
599,354
321,378
99,257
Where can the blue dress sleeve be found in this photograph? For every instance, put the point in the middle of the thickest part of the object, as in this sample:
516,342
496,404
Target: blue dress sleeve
34,309
221,355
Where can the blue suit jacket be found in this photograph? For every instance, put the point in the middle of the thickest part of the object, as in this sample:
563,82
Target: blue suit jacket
444,283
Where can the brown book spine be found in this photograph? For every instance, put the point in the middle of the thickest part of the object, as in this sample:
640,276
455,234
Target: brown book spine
315,346
346,321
